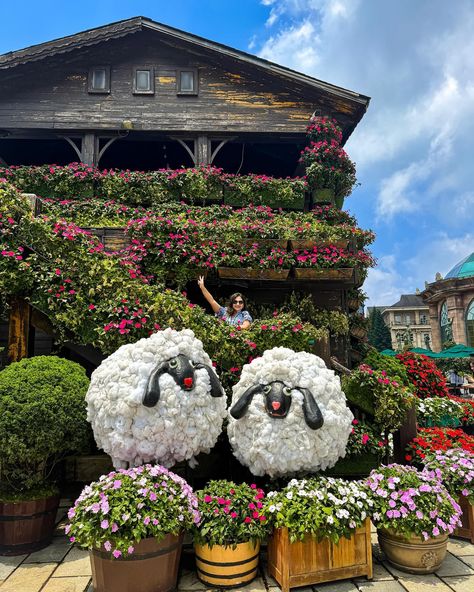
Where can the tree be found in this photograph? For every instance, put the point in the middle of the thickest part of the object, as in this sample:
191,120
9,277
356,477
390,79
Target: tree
379,334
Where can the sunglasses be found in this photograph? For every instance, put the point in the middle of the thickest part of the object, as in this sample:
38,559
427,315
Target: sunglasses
237,302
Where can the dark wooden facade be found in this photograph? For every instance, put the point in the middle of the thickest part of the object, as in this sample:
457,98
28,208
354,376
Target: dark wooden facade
246,108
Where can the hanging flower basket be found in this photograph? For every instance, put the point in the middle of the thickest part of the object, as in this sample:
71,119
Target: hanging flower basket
358,332
341,273
242,273
307,562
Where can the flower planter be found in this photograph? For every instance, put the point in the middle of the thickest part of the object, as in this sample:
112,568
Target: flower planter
27,526
252,274
113,239
446,421
153,567
227,567
271,243
466,531
413,554
323,196
311,562
265,198
353,304
358,332
342,273
309,243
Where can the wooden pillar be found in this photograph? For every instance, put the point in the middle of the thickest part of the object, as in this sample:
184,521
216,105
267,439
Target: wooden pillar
202,150
403,436
18,330
90,149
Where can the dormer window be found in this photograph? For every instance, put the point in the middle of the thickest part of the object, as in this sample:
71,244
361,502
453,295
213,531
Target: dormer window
187,81
143,80
99,80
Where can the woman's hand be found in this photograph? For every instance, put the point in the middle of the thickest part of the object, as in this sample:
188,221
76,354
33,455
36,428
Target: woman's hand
201,282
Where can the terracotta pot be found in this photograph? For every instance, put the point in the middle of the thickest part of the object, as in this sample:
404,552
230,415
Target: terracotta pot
243,273
27,526
153,567
226,567
413,554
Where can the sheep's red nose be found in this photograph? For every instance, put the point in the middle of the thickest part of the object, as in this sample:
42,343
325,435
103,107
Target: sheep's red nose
188,382
276,405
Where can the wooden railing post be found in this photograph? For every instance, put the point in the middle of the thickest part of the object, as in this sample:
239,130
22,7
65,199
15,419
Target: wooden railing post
403,436
18,329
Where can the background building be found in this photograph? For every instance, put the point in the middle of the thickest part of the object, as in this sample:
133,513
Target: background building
451,305
409,322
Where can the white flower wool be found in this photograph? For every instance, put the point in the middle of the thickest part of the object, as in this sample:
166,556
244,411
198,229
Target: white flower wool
288,415
156,400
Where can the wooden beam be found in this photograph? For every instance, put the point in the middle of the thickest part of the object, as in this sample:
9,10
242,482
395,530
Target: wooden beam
202,150
18,329
90,149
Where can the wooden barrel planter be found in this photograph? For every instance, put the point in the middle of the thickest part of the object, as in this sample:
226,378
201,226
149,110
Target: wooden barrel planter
226,567
341,273
241,273
152,567
27,526
466,531
310,562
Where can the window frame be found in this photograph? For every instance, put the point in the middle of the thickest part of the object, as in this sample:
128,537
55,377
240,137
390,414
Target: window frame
137,91
99,91
468,321
188,93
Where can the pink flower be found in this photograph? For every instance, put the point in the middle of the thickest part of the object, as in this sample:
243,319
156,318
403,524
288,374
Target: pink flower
104,524
117,553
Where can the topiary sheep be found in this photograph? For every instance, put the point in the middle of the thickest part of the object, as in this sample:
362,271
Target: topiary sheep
156,400
288,414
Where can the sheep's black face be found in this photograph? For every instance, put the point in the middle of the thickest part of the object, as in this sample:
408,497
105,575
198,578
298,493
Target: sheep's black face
277,399
183,372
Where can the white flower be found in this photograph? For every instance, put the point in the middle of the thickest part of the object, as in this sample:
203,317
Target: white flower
289,495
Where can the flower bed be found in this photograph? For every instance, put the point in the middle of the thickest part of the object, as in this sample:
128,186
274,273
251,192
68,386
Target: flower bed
431,440
424,375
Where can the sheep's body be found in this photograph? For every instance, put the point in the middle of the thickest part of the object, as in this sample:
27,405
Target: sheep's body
283,446
181,425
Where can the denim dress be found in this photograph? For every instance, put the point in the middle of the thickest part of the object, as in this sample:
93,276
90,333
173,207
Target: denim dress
236,319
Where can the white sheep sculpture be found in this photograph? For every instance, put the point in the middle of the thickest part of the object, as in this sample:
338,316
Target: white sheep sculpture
288,415
158,399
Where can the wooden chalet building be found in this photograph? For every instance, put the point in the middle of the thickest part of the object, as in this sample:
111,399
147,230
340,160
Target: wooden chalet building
140,95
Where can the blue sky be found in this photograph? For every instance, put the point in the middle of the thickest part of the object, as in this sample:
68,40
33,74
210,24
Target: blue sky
414,147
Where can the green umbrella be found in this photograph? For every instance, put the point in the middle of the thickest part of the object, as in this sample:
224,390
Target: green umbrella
388,352
457,351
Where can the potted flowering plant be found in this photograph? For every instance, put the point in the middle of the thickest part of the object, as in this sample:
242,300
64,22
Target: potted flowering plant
414,515
227,540
133,521
423,373
430,440
319,525
456,468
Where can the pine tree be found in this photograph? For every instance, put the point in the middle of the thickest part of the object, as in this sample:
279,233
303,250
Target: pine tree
379,333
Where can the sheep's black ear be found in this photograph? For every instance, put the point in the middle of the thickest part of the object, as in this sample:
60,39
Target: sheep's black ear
152,391
312,413
240,408
216,387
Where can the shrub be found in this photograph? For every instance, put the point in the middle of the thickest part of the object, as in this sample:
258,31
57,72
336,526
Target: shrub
42,418
424,375
392,366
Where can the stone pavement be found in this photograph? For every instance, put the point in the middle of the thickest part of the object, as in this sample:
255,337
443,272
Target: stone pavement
62,567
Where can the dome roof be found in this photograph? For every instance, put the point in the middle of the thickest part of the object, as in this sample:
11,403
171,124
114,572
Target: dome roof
463,269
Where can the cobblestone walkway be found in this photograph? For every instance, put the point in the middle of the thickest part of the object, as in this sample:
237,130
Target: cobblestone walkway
65,568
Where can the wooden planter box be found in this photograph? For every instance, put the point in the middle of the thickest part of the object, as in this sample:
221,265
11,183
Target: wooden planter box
342,273
309,243
113,239
466,531
240,273
270,243
312,562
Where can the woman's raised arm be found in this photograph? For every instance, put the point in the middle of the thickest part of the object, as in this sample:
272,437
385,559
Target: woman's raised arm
207,295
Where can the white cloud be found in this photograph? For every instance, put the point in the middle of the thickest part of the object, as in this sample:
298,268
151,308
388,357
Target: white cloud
299,41
383,283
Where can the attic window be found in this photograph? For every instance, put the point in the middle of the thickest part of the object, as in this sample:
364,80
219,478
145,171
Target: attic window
143,81
187,81
99,80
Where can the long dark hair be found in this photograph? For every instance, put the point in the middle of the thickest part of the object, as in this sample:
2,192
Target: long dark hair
230,309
